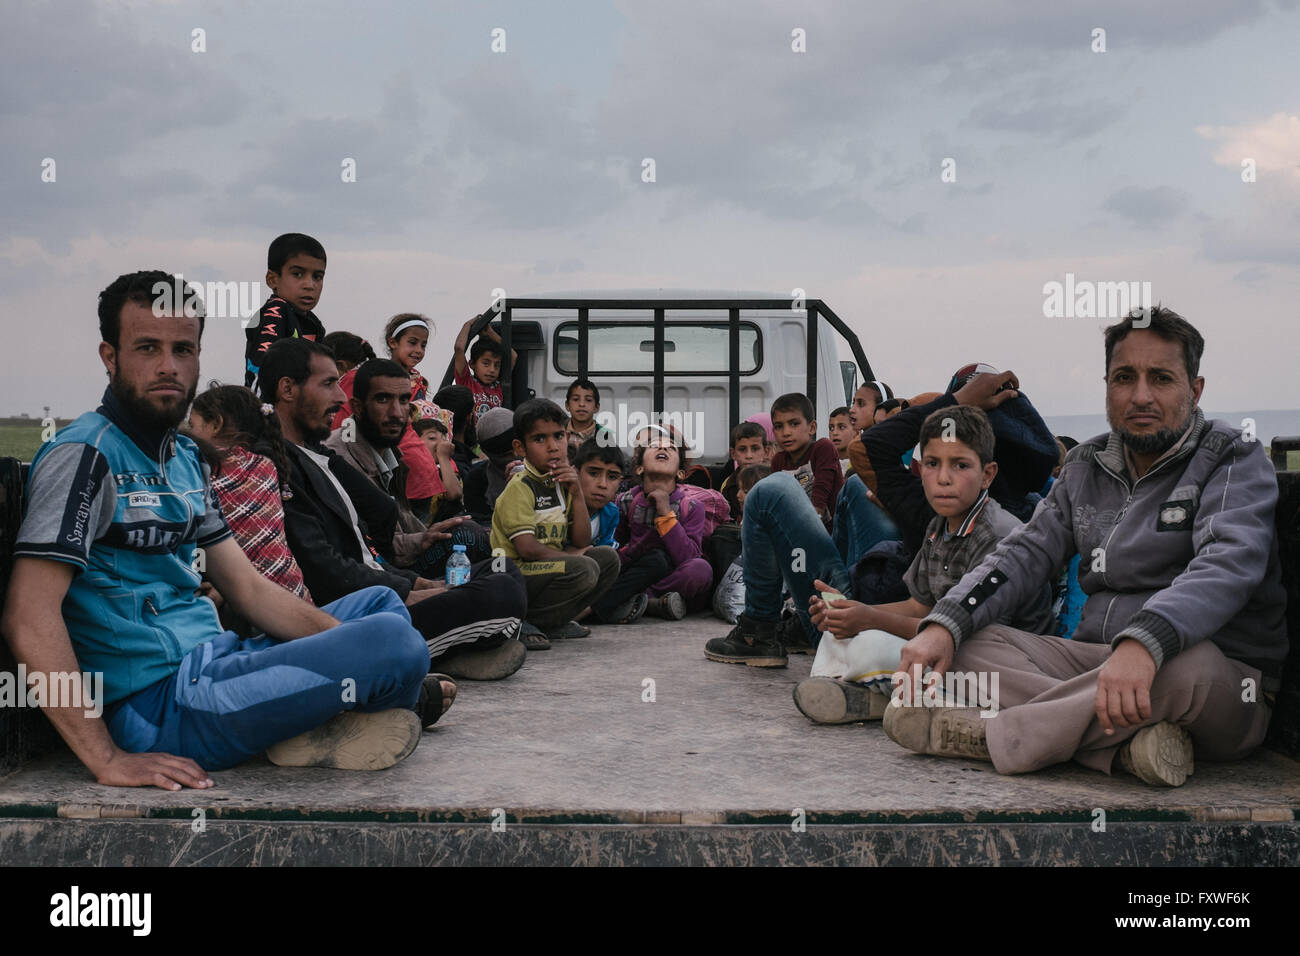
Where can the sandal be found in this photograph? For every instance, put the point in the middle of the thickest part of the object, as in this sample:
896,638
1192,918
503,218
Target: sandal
434,700
532,637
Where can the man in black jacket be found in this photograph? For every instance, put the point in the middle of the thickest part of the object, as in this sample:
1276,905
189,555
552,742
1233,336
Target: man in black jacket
340,528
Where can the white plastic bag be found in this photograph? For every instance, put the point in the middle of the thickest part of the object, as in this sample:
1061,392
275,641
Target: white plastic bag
870,658
729,596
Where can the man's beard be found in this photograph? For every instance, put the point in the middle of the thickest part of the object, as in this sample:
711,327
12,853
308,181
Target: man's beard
371,433
1156,443
145,412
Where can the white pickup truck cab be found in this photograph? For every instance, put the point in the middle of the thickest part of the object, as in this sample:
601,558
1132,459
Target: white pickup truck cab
702,360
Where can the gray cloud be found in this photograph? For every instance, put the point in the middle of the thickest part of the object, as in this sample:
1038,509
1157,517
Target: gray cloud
1148,206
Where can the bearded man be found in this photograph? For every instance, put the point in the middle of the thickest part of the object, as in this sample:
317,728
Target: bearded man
119,511
1180,648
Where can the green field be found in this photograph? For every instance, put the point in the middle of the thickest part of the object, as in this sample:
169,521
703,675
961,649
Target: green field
20,441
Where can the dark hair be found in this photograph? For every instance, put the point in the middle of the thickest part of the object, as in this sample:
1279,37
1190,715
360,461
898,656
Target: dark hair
1067,441
583,383
675,437
889,404
375,368
422,425
458,400
349,348
139,287
482,346
283,248
964,423
595,449
871,386
1167,324
288,358
751,475
243,424
747,430
794,402
842,410
401,318
533,411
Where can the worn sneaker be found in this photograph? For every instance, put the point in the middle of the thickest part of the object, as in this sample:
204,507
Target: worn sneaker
484,663
630,611
939,731
568,631
791,635
352,740
670,606
749,642
825,700
1160,755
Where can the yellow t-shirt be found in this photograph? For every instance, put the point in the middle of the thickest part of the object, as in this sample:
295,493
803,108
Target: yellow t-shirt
531,504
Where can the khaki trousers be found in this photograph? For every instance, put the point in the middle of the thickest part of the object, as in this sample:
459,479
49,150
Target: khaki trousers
1047,690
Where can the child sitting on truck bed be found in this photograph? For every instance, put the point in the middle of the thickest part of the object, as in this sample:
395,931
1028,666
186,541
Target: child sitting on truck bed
814,461
661,532
957,468
839,426
748,447
541,522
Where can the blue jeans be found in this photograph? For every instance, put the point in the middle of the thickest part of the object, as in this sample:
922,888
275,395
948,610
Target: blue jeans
783,539
230,699
860,523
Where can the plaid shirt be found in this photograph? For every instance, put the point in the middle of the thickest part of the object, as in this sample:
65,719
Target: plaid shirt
248,489
941,563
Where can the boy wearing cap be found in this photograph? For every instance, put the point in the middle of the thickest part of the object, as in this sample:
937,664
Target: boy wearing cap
483,486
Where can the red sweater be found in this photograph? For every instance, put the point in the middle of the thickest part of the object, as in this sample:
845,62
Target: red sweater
818,472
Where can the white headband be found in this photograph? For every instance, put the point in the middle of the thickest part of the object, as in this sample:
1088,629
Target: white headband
885,393
406,325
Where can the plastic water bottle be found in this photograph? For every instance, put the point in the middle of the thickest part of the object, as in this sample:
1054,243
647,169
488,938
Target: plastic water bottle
457,567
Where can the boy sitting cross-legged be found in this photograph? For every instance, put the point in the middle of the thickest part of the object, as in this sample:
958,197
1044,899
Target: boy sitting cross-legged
783,540
664,571
957,468
541,522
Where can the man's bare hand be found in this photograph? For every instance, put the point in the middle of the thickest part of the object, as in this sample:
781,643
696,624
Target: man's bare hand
933,647
441,531
842,618
985,390
164,771
1124,686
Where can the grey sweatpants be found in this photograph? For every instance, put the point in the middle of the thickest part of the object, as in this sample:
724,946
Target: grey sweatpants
1047,690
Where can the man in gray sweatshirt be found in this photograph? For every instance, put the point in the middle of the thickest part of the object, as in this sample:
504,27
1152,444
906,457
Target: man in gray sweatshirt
1182,639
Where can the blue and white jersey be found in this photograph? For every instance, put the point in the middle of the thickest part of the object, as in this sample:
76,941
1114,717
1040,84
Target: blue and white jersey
127,510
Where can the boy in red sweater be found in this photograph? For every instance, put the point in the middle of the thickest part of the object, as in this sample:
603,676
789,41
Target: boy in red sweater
814,461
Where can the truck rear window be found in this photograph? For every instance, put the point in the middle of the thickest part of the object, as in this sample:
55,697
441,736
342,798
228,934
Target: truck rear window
627,348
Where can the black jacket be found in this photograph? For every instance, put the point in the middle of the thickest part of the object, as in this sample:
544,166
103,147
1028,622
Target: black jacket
321,534
1024,448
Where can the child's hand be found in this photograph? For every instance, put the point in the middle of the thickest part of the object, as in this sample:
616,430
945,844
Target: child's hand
659,498
837,615
566,476
514,467
444,448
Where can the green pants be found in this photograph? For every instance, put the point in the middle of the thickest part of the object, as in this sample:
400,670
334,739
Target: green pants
560,588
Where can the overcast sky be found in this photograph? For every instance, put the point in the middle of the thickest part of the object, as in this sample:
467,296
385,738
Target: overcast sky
773,170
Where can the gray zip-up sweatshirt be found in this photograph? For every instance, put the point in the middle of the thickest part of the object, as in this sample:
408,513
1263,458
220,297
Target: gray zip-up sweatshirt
1185,553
